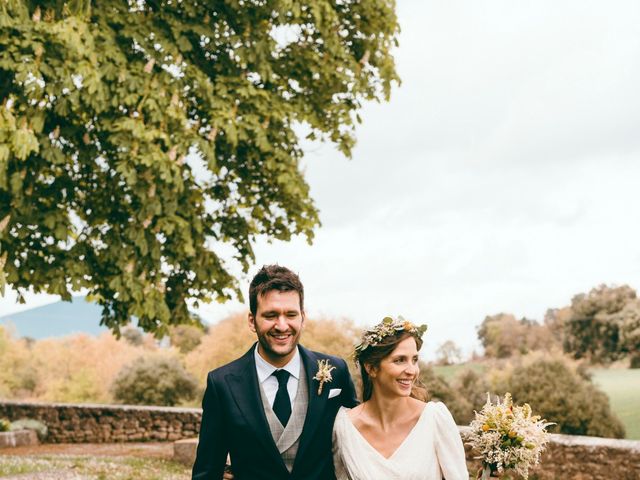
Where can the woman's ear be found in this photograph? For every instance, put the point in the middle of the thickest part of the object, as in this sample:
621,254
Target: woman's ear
371,370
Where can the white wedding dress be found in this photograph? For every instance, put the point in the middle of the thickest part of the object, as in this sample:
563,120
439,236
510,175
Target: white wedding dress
433,450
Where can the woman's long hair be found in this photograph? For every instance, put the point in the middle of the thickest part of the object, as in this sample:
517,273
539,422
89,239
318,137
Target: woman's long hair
373,355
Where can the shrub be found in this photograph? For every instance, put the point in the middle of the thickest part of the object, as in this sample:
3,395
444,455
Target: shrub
473,387
154,380
5,425
635,361
439,390
557,391
30,424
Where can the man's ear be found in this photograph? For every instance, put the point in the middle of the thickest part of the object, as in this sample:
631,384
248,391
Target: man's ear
252,322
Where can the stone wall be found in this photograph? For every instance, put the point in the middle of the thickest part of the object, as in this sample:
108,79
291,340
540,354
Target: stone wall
107,423
567,456
577,457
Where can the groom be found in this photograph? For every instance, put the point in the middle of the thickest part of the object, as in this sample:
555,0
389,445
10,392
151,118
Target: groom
272,410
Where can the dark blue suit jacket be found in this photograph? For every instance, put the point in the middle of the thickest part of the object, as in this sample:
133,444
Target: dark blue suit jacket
234,422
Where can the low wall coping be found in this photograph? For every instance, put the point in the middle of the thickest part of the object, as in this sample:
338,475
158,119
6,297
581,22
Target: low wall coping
98,406
582,441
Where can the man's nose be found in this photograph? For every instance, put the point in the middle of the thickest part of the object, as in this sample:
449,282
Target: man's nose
281,322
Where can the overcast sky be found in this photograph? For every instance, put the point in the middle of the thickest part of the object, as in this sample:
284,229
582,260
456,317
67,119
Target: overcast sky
501,177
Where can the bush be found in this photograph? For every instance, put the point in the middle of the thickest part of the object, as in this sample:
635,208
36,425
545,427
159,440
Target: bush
5,425
30,424
635,361
472,387
154,380
558,392
439,390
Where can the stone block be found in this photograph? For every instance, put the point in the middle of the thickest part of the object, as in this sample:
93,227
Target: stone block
18,438
184,451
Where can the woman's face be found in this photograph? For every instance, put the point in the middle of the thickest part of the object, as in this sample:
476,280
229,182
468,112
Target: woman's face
397,371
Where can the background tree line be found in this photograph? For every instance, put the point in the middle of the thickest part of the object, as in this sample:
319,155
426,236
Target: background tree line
600,327
136,368
522,357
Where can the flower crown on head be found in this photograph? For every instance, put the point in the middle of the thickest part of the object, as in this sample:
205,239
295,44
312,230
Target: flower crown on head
389,326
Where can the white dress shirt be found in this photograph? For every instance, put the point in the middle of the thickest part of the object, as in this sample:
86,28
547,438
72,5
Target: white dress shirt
270,383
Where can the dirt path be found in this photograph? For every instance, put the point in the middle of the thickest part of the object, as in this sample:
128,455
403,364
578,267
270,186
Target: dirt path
145,450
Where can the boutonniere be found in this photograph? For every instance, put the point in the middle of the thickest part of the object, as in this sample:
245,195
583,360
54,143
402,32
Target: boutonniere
324,374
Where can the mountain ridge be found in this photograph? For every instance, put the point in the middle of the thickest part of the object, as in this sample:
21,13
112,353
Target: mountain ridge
56,319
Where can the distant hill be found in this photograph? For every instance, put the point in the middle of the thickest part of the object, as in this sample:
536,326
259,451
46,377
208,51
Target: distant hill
57,319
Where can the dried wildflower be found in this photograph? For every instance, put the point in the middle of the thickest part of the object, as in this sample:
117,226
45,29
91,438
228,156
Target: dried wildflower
389,326
507,436
324,374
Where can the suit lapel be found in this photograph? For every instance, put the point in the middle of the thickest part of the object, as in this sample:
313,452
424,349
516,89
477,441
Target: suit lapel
245,390
316,402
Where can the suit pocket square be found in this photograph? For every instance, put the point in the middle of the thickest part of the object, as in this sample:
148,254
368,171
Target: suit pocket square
334,392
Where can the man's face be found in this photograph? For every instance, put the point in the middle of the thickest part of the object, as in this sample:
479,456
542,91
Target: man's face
278,323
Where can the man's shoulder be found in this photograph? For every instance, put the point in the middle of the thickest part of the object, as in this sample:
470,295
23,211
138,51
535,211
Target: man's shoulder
236,366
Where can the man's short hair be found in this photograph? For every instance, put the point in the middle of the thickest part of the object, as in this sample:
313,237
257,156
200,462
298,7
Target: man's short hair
274,277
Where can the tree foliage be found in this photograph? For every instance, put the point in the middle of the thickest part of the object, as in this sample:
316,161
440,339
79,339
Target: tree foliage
448,353
132,335
502,336
186,337
603,325
231,337
77,368
139,140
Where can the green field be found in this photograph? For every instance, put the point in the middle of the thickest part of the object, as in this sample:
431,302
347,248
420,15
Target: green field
449,372
623,389
621,385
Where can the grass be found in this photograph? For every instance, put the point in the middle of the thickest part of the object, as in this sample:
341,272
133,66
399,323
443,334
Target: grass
95,468
623,389
448,372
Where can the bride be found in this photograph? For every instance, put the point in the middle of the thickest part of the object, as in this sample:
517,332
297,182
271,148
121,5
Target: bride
395,433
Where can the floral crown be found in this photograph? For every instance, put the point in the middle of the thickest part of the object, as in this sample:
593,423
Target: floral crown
389,326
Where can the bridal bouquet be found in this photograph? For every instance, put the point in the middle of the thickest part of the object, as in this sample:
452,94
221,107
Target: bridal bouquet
507,436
